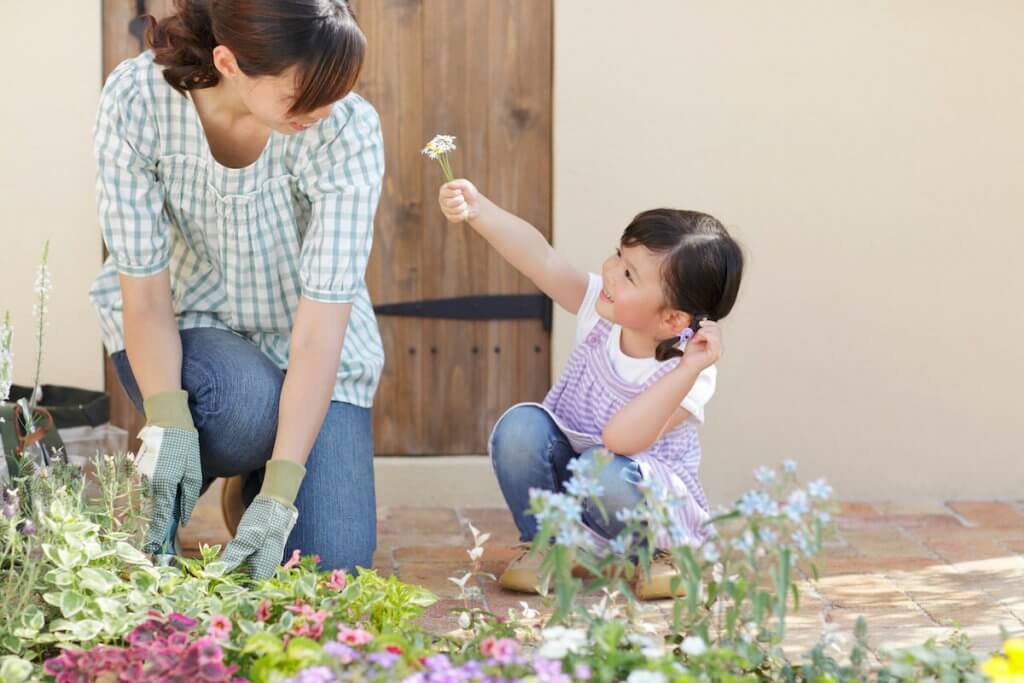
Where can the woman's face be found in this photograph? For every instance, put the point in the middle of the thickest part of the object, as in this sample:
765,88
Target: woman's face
268,98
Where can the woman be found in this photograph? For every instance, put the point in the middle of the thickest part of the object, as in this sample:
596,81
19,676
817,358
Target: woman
238,181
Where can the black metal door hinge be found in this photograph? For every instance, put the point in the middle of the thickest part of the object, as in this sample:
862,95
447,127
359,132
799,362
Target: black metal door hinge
480,307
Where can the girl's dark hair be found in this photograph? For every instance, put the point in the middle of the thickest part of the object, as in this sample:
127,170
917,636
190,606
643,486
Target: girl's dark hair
703,264
319,37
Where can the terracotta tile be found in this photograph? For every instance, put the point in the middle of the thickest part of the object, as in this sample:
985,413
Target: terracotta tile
438,554
856,508
433,577
437,521
909,521
885,542
899,507
874,565
990,513
966,548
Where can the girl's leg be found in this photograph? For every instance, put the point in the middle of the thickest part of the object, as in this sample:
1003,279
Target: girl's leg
618,480
528,450
337,503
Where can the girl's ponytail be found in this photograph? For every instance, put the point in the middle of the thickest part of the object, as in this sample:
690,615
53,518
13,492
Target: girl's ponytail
668,350
183,44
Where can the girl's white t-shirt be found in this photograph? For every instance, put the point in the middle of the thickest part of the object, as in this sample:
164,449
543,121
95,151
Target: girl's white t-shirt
638,370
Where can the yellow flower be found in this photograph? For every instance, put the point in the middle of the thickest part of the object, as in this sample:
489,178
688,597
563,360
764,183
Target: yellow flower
1008,669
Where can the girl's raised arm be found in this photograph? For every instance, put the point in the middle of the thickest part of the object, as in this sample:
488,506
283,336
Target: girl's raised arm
518,242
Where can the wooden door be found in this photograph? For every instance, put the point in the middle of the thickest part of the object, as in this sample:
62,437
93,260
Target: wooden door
479,70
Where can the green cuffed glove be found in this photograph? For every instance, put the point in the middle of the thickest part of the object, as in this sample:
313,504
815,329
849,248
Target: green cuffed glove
169,456
263,531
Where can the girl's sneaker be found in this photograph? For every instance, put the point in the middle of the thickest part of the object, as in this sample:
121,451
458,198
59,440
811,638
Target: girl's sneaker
658,584
523,573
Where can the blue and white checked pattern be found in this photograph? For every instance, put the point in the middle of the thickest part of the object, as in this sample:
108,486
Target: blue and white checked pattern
242,244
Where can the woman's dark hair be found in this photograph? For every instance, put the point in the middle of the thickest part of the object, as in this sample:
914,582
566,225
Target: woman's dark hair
703,264
319,37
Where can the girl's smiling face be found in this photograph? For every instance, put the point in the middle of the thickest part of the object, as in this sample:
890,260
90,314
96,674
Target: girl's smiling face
632,294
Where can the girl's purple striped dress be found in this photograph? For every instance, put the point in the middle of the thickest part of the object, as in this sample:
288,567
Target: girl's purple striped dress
590,392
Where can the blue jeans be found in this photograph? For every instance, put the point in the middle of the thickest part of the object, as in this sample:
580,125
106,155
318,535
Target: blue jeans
528,450
234,392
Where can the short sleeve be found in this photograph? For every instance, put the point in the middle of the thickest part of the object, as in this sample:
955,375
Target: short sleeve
587,316
130,196
343,183
702,391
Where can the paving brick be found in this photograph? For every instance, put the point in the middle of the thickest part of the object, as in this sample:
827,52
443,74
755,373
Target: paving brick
873,565
966,547
432,576
435,521
899,507
856,508
990,514
885,542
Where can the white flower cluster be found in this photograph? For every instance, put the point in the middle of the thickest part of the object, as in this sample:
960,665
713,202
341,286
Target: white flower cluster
439,146
6,357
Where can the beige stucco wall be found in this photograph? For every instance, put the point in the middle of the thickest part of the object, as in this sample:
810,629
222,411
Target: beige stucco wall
870,156
51,77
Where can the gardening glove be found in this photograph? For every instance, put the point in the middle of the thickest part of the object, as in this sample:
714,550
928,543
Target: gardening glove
264,529
169,457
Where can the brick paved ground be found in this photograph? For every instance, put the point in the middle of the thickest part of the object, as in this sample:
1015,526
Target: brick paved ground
912,570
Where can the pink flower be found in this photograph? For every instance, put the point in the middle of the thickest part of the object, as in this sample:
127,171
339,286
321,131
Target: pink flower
315,630
263,611
316,560
294,560
219,628
393,649
505,651
354,636
338,580
487,647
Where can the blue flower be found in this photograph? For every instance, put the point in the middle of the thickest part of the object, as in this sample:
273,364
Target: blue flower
764,474
789,466
797,505
819,488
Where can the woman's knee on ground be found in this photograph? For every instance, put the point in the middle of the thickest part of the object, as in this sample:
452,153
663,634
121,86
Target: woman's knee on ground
234,393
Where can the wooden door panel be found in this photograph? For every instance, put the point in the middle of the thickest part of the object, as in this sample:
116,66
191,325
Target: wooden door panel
480,71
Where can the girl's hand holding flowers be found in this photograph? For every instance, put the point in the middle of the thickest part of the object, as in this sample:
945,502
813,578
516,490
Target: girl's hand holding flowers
705,347
459,200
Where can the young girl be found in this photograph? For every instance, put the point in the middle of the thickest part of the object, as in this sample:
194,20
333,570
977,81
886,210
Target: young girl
628,388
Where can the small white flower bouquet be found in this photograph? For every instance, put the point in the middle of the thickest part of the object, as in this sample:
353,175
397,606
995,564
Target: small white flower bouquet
437,149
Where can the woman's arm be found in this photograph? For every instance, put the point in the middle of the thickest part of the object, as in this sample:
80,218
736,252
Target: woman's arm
151,336
643,420
315,351
518,242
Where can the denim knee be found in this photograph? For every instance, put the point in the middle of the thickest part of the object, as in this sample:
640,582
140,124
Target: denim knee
522,436
619,481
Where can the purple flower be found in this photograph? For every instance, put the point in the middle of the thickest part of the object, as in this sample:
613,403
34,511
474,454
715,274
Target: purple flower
582,672
343,653
9,511
384,659
550,671
28,528
316,674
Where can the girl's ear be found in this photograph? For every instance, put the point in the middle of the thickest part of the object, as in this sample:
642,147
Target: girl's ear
677,321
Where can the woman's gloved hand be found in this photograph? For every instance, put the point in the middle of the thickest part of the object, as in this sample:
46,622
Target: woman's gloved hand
169,456
263,531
